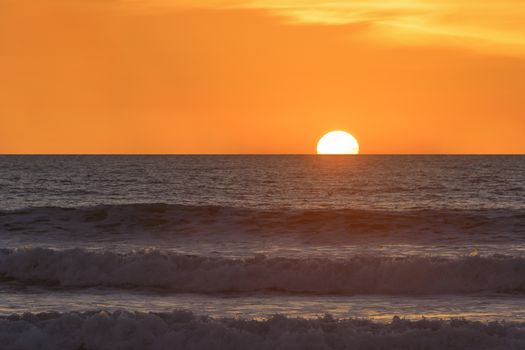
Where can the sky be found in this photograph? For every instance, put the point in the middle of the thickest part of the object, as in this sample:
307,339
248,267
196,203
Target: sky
261,76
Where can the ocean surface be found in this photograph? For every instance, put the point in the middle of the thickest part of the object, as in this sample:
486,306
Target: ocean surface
262,252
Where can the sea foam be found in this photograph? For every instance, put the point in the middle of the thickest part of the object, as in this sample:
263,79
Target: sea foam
167,270
184,330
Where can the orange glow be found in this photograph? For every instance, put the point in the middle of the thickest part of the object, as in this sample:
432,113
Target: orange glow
179,76
337,142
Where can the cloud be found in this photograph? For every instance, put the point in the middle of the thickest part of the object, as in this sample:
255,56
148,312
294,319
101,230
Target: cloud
491,26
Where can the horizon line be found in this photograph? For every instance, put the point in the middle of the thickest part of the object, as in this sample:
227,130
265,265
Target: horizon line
260,154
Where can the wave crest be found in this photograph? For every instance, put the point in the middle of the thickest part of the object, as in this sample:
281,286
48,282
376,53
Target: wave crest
188,273
184,330
181,219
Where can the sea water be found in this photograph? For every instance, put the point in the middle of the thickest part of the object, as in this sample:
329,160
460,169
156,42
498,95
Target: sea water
364,252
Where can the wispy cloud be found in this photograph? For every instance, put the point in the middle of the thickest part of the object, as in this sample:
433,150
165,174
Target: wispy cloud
496,26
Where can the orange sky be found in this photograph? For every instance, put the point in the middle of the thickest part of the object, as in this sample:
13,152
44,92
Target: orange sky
175,76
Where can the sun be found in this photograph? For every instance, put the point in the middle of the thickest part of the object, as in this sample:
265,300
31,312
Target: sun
338,142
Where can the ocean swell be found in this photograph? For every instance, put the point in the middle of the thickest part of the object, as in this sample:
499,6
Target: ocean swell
184,330
172,219
190,273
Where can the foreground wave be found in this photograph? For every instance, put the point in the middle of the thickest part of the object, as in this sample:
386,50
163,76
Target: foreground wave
184,330
189,273
177,219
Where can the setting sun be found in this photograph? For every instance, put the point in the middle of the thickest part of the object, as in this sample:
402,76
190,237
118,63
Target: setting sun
338,142
335,168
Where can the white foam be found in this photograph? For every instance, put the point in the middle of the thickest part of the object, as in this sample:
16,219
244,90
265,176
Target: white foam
187,273
184,330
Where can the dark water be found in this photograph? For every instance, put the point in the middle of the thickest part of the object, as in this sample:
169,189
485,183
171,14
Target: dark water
373,237
364,182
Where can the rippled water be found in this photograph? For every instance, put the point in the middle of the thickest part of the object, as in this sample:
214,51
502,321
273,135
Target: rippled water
252,236
363,182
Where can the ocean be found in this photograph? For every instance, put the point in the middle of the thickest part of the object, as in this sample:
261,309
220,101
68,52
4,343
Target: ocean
262,252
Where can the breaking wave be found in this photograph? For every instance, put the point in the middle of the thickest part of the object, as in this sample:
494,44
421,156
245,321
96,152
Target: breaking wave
181,219
189,273
184,330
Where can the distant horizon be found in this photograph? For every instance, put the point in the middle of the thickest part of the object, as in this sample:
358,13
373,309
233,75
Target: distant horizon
262,154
